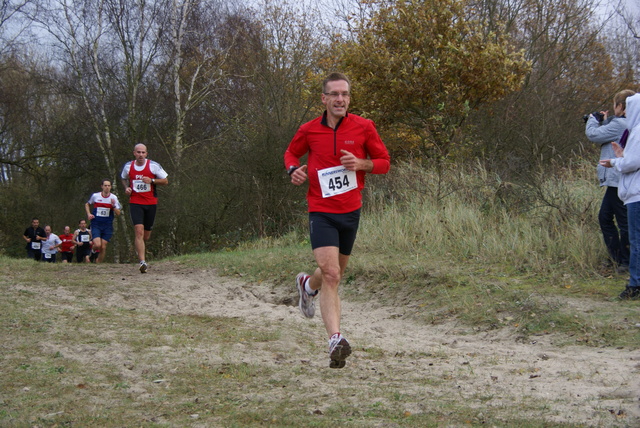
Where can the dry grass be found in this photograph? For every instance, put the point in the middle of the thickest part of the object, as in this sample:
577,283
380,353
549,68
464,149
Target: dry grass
482,262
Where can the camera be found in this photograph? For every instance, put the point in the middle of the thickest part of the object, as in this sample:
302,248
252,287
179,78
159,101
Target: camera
599,116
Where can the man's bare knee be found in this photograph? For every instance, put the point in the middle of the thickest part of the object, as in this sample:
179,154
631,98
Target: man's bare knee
331,276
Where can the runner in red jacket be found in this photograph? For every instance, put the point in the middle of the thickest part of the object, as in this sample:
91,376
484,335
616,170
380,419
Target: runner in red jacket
66,249
342,148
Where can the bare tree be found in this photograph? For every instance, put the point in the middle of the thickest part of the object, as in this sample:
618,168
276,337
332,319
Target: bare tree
108,46
624,30
11,23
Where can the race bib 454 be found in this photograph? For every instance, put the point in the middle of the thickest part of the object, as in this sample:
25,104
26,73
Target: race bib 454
336,181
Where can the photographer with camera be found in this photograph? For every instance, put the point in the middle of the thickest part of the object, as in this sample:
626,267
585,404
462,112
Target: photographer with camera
603,129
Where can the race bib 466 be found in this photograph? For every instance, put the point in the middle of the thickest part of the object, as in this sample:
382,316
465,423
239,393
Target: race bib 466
140,186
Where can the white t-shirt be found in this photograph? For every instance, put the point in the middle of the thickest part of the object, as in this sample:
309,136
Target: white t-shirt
49,246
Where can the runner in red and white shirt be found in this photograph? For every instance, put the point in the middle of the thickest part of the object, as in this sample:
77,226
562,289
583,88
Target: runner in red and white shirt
140,178
105,207
341,149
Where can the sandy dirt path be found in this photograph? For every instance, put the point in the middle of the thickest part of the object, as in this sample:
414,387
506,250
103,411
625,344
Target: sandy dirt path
577,384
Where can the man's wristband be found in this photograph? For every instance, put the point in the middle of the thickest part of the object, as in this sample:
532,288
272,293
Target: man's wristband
291,169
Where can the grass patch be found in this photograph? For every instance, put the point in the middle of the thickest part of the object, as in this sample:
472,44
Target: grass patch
74,355
94,345
482,296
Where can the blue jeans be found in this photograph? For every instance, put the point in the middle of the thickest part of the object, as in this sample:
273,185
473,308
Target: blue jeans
633,211
616,237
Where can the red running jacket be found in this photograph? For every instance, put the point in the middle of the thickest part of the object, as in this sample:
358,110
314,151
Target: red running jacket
323,144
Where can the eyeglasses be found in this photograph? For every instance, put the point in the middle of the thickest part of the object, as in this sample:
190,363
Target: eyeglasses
337,94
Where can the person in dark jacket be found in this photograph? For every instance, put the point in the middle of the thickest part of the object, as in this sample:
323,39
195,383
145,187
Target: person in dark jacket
34,234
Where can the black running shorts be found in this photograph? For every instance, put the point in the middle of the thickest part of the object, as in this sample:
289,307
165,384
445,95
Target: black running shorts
334,230
143,214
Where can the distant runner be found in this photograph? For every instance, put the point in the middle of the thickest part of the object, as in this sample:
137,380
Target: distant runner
140,178
105,207
82,239
34,235
66,249
50,246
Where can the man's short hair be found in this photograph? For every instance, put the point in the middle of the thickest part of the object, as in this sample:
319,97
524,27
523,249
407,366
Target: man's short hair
333,77
621,97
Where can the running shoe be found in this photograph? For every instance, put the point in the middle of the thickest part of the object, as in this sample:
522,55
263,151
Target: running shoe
306,304
339,350
143,267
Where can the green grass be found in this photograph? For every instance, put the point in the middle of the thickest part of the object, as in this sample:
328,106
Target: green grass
483,297
77,350
489,253
72,359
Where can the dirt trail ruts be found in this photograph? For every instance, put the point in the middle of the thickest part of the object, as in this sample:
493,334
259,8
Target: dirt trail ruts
579,384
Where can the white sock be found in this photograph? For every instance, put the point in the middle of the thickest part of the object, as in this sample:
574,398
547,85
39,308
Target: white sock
308,289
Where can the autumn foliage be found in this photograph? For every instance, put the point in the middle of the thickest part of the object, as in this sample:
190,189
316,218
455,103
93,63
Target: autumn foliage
420,66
